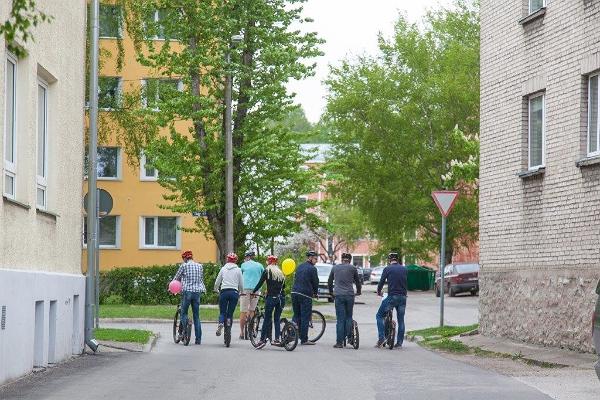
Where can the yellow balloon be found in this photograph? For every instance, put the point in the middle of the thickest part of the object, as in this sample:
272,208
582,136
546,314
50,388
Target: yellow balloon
288,266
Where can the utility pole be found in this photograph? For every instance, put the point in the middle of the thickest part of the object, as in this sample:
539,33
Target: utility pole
229,245
92,211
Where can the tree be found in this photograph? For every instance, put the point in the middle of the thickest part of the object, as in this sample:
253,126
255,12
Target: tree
407,123
267,160
23,17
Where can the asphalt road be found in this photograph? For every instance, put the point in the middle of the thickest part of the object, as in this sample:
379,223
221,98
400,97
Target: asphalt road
211,371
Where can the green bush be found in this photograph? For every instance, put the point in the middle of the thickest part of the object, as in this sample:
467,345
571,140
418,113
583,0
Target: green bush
148,285
113,299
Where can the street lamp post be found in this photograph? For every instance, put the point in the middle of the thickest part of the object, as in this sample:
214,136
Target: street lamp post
236,39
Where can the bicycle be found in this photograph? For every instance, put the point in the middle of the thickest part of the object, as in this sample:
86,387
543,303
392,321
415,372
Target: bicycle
289,330
316,324
389,329
354,338
179,334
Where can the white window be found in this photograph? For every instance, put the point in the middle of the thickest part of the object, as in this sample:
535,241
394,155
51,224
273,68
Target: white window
10,128
537,127
42,145
535,5
147,172
111,21
593,113
160,233
158,90
109,163
110,232
156,28
109,92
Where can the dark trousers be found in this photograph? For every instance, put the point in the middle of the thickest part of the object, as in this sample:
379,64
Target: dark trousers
302,307
273,309
227,302
193,299
344,306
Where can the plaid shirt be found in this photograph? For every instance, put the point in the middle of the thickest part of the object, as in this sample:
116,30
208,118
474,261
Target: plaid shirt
191,275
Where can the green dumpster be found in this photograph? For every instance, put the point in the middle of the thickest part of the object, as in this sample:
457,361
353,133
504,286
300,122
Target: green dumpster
420,278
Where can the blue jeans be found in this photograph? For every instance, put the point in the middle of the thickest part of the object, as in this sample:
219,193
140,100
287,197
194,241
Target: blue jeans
343,312
227,302
399,303
193,299
273,305
302,307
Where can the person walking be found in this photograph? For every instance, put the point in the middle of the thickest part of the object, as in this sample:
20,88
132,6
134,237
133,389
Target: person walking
274,301
229,284
340,283
191,276
251,272
396,277
305,288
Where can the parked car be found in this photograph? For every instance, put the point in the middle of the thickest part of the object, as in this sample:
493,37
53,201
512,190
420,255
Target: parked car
596,328
376,275
458,278
323,271
366,274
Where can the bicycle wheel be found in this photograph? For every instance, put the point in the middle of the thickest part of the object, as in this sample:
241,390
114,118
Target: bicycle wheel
355,335
316,326
188,333
392,337
289,336
176,322
227,335
253,330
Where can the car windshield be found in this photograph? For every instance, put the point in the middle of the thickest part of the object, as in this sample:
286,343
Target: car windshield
378,269
323,269
467,268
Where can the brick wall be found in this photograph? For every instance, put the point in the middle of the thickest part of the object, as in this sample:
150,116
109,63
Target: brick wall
539,235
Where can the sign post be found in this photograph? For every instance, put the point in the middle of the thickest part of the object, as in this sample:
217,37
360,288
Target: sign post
444,200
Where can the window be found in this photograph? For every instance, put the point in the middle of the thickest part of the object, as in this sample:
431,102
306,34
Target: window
110,21
10,128
109,162
109,92
147,172
157,91
42,145
110,232
160,232
536,129
535,5
156,28
593,112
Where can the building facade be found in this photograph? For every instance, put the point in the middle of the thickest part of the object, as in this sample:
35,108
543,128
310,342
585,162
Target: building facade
42,289
540,170
137,232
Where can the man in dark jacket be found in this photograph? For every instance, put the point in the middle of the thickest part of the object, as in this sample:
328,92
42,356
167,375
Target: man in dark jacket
344,275
306,285
396,276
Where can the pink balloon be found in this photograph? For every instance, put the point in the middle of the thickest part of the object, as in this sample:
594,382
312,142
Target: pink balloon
175,287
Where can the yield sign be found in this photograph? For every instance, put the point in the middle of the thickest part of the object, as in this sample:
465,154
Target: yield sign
445,201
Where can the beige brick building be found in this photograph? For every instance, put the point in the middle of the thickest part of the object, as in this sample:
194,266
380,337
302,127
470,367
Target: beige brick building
540,169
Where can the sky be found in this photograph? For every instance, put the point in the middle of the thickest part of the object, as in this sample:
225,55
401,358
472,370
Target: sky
350,28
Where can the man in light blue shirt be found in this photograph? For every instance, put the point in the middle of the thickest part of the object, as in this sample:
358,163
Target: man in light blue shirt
251,273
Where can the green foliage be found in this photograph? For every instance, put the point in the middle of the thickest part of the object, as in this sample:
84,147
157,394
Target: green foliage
267,158
148,285
23,17
123,335
449,345
406,124
113,299
444,331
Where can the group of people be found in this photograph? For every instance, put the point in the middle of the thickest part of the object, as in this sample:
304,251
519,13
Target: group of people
244,283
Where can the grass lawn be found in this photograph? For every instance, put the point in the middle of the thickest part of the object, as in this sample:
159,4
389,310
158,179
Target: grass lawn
123,335
162,312
443,332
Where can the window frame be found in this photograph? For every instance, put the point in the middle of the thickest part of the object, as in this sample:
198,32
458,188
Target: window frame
118,95
142,233
529,101
120,22
10,167
119,167
143,176
531,10
589,116
117,245
42,181
144,84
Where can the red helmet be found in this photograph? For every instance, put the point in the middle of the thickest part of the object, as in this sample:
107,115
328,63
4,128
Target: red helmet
271,259
187,255
232,257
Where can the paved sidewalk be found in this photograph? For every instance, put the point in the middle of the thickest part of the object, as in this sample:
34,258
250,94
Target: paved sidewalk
531,352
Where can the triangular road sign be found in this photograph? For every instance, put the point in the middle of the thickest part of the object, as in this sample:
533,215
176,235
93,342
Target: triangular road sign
445,201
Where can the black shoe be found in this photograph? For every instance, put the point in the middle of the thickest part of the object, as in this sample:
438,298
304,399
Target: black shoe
338,346
219,329
198,341
307,343
379,344
261,344
398,346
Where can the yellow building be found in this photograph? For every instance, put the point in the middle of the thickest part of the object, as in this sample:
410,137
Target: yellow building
137,232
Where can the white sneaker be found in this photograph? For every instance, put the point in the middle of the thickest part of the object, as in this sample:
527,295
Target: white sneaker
219,329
